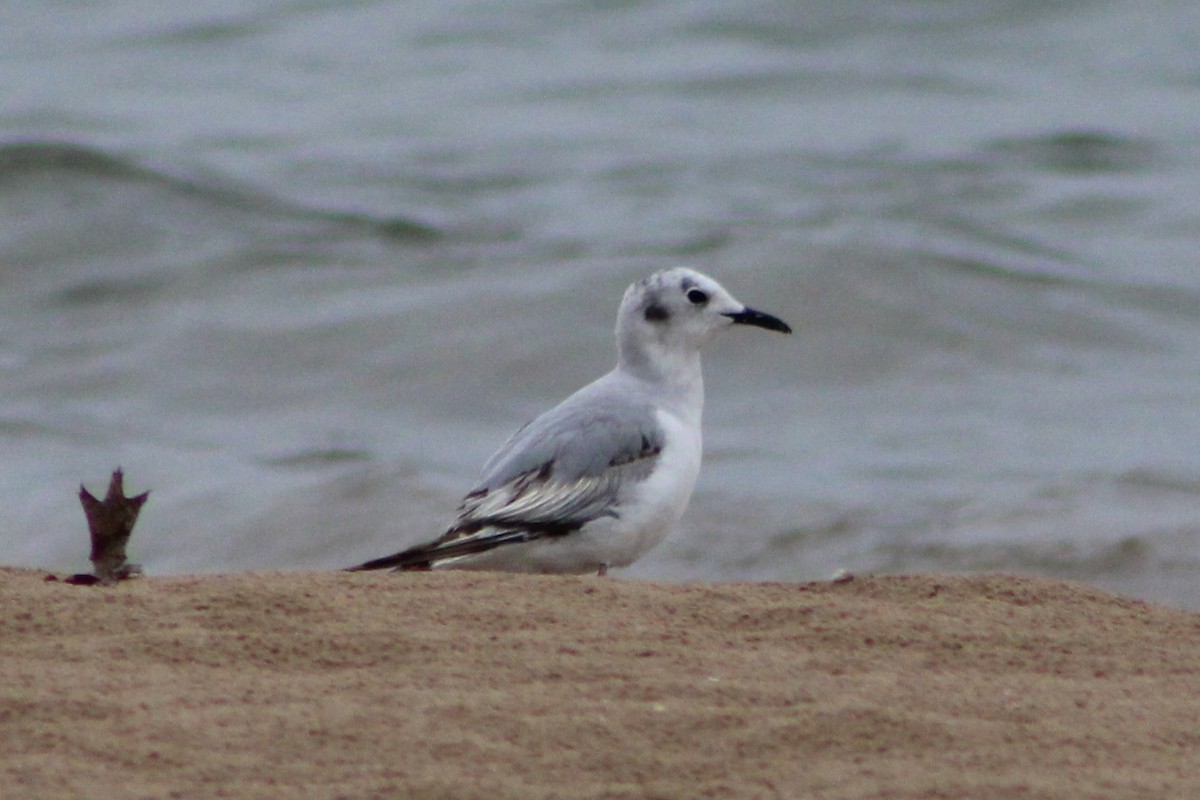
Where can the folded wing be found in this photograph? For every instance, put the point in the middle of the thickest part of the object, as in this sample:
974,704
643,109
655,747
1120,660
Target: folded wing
555,475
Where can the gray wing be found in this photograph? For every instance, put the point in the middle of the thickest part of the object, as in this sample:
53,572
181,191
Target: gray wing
566,467
556,474
583,436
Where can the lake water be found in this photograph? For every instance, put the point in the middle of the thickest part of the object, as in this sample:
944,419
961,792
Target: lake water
300,267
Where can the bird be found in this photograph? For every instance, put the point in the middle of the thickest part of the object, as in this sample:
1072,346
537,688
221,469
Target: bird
603,477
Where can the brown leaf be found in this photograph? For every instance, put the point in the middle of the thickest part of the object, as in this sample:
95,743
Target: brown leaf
110,522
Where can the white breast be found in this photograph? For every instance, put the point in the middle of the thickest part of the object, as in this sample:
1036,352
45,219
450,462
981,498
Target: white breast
653,508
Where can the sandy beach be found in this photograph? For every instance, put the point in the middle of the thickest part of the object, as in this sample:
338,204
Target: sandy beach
469,685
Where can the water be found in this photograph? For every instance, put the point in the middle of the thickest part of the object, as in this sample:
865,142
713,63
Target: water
300,267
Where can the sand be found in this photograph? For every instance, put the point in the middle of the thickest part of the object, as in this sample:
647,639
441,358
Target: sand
469,685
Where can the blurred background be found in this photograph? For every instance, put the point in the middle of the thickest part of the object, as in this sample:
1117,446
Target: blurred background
300,267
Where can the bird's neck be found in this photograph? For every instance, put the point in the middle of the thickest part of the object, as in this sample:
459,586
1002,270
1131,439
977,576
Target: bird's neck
676,370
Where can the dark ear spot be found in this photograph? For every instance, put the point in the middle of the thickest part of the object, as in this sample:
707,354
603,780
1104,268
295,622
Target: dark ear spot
656,313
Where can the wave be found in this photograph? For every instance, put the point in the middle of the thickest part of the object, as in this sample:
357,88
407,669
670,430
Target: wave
63,165
1077,151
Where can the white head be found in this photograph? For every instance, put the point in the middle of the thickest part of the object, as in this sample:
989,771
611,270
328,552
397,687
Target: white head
667,317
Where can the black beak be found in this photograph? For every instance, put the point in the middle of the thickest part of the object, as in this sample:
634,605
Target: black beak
749,316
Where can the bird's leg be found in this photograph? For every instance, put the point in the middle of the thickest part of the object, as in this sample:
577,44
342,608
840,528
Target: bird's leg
602,571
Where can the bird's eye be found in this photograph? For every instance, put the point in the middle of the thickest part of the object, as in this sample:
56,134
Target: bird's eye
697,297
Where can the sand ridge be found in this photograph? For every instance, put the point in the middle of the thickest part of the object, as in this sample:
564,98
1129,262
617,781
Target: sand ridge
466,685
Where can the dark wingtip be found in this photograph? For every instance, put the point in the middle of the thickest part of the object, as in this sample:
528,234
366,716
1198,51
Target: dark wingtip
378,563
375,563
412,559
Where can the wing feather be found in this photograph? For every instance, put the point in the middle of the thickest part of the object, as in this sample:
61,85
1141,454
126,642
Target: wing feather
556,474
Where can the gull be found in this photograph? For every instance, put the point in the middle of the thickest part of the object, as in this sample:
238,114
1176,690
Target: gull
604,476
